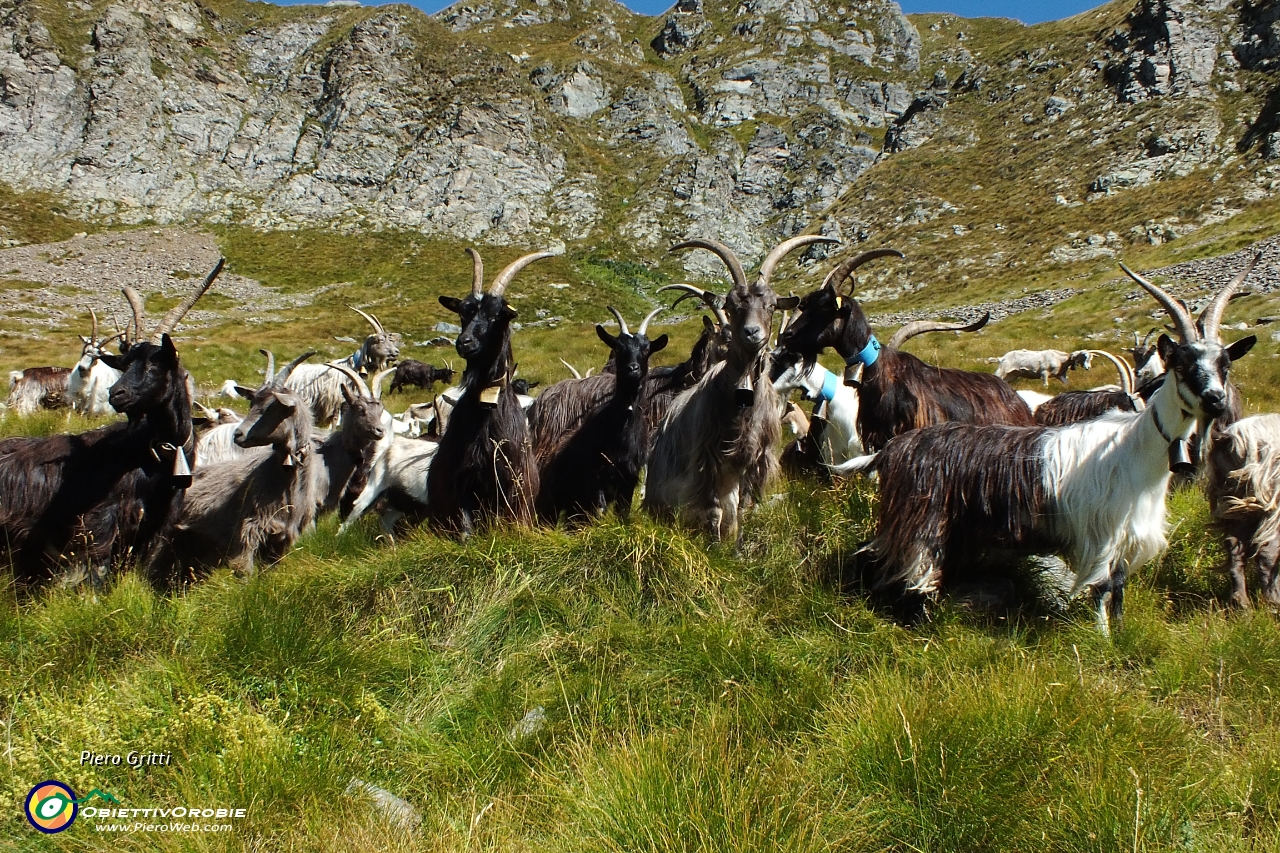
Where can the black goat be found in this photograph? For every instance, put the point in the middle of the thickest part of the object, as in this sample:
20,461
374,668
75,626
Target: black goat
419,375
590,436
898,392
96,500
485,464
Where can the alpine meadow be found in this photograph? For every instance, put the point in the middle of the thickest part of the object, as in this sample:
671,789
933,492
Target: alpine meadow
773,425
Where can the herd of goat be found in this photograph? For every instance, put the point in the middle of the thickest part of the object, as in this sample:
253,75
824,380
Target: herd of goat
970,472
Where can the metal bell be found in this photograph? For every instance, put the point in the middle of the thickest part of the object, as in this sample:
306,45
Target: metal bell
181,470
853,374
1180,461
745,394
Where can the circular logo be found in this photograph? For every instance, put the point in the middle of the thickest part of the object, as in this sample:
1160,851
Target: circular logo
51,806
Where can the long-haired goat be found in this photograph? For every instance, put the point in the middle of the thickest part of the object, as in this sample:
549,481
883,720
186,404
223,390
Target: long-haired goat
1093,492
1244,497
898,392
251,508
590,436
485,464
37,388
417,374
91,379
716,448
94,501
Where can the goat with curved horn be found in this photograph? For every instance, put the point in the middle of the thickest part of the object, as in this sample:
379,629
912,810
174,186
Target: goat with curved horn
721,251
283,376
622,324
845,269
920,327
477,272
373,321
1128,382
502,279
175,315
271,365
713,301
1186,327
1211,317
785,248
644,324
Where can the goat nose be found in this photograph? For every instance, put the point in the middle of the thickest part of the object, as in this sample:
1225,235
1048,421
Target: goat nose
1214,400
753,333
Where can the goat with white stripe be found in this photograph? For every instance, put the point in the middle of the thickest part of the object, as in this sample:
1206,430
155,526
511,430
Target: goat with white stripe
1093,492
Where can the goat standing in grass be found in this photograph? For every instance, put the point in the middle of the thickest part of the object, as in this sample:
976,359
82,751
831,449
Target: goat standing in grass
897,392
1244,496
590,435
251,508
96,500
715,449
485,465
1094,492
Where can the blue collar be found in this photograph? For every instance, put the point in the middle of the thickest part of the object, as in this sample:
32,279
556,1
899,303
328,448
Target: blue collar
869,355
829,385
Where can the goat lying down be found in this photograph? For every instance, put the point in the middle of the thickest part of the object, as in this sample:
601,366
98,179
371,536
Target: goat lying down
1093,492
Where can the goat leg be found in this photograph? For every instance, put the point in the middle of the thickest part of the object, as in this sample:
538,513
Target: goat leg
1234,546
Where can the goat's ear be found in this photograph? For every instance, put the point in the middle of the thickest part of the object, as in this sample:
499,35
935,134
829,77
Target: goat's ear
115,362
1238,349
609,340
167,350
288,398
453,303
787,303
247,393
347,395
1167,349
658,343
509,313
706,321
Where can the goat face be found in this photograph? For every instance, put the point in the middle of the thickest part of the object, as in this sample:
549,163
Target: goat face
270,416
631,354
820,321
750,313
380,351
1201,369
148,376
485,321
362,417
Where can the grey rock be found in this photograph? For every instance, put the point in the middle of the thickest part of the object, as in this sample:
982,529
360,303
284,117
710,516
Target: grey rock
534,721
400,813
681,30
447,328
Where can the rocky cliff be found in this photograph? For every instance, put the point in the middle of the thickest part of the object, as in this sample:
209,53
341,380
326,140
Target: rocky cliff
523,121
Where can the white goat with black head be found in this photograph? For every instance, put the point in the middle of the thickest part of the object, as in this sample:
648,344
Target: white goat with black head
91,379
1093,492
715,450
252,508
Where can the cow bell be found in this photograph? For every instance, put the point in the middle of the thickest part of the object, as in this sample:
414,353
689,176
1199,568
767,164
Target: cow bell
745,394
1180,461
181,470
853,374
489,396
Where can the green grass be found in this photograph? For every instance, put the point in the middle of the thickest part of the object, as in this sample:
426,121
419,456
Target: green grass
695,698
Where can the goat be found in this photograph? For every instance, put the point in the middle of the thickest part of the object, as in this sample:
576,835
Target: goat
897,392
1072,406
715,449
485,464
1244,496
91,379
1146,360
664,384
321,387
251,508
590,436
97,499
1041,364
348,455
216,443
1093,491
419,375
38,388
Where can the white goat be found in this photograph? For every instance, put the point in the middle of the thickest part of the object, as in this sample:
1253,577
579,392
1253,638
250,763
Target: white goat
1033,364
91,379
838,406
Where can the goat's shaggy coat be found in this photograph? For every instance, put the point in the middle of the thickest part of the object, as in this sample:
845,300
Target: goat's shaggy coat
39,388
418,374
1244,496
1071,407
96,500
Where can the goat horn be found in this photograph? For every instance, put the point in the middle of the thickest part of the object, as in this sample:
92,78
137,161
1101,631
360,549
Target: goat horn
139,311
376,382
94,334
477,272
1127,378
106,341
377,327
1211,317
1186,328
572,369
271,365
837,276
919,327
622,324
206,411
644,324
500,283
354,377
721,251
283,376
785,248
175,315
712,300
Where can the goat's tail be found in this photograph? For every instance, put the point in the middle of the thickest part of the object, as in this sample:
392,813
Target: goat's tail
856,465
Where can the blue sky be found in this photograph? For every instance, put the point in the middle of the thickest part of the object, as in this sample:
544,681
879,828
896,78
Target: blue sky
1027,11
